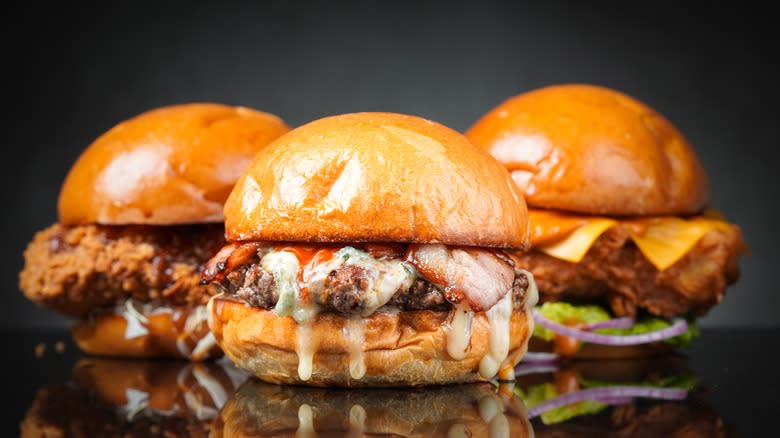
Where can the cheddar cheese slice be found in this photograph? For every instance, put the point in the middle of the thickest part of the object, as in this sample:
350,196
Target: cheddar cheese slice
662,240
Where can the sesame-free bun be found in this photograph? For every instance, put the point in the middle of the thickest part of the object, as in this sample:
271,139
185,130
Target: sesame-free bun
171,165
590,149
399,348
376,177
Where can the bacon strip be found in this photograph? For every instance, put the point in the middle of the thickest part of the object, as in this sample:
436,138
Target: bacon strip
227,259
481,277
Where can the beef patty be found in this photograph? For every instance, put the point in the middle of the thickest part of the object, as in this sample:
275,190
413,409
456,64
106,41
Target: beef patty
74,270
345,290
616,273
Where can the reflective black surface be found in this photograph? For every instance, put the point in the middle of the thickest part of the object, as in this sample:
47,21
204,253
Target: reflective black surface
730,374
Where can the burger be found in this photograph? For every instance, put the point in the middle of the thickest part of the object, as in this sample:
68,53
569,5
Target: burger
651,396
259,409
133,398
368,250
625,251
139,213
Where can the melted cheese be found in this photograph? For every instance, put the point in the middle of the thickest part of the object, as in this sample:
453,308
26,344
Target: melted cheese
203,347
385,277
195,405
491,411
305,346
458,430
284,267
353,333
136,321
662,240
489,407
506,372
499,426
459,331
665,241
305,422
498,317
137,401
217,392
357,421
573,247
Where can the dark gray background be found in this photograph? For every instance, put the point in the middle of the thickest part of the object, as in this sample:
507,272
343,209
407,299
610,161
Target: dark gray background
76,71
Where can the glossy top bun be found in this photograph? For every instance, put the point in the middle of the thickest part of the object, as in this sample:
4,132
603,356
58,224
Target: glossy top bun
593,150
376,177
172,165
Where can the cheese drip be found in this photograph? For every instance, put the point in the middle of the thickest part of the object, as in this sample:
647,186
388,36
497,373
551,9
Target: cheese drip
353,333
357,421
305,422
492,412
459,331
305,347
459,430
498,317
284,267
506,372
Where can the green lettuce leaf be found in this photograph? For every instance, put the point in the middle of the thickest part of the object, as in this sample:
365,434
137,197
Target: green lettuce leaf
561,312
546,391
588,314
686,380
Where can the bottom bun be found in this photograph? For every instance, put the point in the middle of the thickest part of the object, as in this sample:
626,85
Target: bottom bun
165,333
478,410
402,348
597,351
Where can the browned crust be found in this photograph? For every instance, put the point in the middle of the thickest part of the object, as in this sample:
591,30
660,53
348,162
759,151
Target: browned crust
615,272
76,270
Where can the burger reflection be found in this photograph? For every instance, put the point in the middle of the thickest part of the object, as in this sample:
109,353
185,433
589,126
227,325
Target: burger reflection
657,396
474,410
133,398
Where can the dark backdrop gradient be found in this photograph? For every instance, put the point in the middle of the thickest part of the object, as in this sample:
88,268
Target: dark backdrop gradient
76,71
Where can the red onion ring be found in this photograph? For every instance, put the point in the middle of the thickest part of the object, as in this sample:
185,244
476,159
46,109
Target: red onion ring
534,357
617,323
535,368
608,393
678,327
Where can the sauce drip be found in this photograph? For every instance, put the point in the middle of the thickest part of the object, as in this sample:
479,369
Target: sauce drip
498,317
353,333
306,254
305,347
491,410
357,421
459,331
305,422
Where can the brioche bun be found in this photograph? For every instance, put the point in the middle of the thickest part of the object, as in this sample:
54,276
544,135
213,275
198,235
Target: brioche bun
593,150
399,348
172,165
376,177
